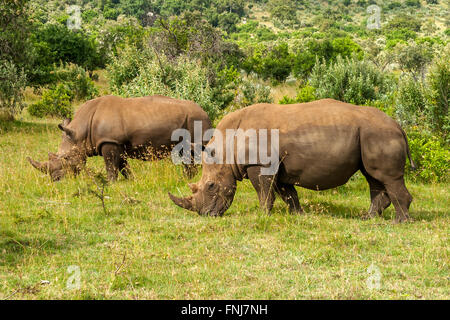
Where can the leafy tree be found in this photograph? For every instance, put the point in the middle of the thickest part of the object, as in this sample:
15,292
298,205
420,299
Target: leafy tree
404,21
55,43
439,82
14,32
283,10
12,84
413,57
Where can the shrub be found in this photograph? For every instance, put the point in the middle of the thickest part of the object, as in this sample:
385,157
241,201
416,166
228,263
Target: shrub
55,102
410,102
306,94
140,73
12,84
431,156
350,80
251,92
438,80
77,82
287,100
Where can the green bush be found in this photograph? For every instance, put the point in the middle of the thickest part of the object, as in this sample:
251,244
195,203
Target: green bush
287,100
136,73
55,102
251,92
306,94
438,80
12,84
431,156
410,103
77,82
350,80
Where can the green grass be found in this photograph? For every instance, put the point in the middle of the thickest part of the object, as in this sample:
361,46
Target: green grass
146,247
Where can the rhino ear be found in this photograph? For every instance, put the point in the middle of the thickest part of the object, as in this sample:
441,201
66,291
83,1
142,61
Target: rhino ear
70,133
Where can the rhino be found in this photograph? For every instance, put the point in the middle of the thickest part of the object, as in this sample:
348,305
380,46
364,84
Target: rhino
321,145
120,128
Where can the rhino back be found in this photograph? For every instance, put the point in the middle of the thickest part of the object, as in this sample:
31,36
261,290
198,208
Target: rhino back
142,121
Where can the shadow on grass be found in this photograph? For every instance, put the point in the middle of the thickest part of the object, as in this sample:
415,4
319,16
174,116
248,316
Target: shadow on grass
14,248
333,209
24,126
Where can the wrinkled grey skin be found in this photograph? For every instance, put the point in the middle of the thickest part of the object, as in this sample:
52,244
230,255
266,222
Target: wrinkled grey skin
321,145
120,128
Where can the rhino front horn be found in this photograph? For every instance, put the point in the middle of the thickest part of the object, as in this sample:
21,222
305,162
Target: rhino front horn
38,165
185,203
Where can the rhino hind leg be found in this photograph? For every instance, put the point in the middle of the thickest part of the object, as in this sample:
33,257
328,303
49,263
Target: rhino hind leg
264,186
113,156
289,195
378,195
401,199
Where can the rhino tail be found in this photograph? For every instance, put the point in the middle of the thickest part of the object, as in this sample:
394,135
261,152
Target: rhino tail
408,152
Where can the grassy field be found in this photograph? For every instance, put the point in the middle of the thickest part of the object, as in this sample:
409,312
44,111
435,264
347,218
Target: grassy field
146,247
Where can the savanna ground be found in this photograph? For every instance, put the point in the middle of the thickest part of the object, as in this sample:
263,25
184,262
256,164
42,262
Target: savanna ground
144,247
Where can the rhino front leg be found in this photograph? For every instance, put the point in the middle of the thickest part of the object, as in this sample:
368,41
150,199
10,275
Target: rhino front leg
113,156
289,196
264,186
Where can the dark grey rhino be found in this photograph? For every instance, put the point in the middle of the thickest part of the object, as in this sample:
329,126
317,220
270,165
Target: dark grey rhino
120,128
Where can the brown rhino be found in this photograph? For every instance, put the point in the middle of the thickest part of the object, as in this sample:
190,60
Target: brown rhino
120,128
321,145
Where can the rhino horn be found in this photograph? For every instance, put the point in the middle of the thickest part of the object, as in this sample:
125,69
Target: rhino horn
40,166
185,203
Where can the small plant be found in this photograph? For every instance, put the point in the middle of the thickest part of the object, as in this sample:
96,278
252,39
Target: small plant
100,183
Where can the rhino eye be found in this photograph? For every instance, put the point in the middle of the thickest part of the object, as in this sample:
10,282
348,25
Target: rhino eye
210,185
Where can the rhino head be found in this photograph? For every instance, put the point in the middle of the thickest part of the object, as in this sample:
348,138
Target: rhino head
69,158
214,193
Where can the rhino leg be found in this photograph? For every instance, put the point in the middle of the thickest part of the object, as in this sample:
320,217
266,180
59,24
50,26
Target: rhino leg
401,199
264,186
113,156
378,195
289,196
124,168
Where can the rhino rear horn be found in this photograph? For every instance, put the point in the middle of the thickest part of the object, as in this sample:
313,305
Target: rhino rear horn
185,203
43,167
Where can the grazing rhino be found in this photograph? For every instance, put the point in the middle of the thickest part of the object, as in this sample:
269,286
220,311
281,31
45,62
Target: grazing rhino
120,128
321,145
